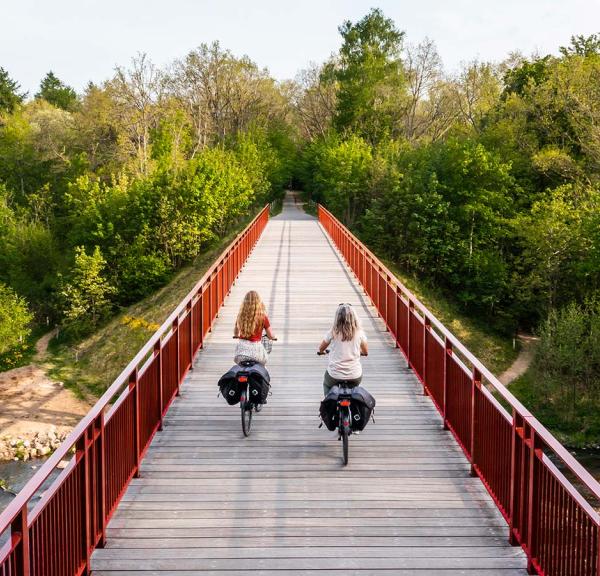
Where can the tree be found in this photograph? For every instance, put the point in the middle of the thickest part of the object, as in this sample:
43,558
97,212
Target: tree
314,100
341,176
15,319
86,294
582,46
477,92
224,95
138,92
423,72
370,77
58,94
10,97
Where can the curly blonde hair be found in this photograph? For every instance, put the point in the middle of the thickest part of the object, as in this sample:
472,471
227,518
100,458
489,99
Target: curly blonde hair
251,315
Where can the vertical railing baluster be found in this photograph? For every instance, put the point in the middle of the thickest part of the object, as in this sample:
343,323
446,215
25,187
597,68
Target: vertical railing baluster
516,476
20,526
190,311
447,358
535,446
177,354
409,313
101,478
426,328
159,382
398,297
475,385
81,458
134,390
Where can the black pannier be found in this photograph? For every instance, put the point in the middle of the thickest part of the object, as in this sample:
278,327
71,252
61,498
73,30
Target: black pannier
259,390
361,407
231,391
258,380
329,410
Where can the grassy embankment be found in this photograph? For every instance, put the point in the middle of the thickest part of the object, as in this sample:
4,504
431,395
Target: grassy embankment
88,367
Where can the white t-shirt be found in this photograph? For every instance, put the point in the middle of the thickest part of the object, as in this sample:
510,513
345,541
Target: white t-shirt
344,357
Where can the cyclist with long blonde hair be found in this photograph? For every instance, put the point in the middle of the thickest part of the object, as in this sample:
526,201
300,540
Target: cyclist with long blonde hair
345,342
251,321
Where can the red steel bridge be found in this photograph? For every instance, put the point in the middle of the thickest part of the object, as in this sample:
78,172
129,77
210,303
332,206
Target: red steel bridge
455,476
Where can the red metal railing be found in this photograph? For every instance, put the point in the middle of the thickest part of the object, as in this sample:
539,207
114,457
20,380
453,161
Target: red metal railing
56,536
512,453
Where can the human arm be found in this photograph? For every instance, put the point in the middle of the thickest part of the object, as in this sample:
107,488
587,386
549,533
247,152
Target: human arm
323,347
236,331
364,345
267,327
325,343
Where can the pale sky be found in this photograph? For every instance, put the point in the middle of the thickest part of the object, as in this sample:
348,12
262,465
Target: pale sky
82,40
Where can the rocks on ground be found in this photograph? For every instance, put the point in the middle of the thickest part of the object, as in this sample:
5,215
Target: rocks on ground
34,445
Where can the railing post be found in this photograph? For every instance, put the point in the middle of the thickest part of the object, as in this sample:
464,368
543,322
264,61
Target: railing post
81,455
190,310
101,475
535,446
447,356
133,388
410,312
375,285
159,382
426,328
177,355
20,527
516,475
398,296
475,385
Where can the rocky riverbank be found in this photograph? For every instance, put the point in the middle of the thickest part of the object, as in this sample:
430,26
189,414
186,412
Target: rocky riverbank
34,445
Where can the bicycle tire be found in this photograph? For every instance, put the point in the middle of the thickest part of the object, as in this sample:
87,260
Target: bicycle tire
246,417
344,433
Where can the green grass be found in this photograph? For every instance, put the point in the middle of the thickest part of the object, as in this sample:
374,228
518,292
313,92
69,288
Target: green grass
493,348
572,416
88,367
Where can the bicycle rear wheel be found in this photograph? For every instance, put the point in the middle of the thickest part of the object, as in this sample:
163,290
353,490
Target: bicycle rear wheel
344,434
246,409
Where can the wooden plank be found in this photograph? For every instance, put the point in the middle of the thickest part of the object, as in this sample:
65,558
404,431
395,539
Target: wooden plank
210,501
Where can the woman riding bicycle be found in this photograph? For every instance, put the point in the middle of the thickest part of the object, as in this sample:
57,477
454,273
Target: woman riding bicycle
347,343
251,320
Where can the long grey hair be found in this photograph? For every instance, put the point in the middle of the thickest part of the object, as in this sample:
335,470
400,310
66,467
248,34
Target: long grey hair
345,323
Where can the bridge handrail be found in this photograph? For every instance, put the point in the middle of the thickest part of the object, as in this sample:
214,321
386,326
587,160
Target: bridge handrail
83,438
471,412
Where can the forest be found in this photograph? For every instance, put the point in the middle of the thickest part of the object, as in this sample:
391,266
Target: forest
483,183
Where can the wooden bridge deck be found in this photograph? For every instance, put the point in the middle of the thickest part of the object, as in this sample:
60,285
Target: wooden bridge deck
212,502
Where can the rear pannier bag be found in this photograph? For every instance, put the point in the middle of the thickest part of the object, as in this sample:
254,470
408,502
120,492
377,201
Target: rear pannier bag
259,390
258,379
361,407
329,410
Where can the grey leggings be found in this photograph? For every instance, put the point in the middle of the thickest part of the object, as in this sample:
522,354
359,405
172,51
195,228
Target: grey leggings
329,382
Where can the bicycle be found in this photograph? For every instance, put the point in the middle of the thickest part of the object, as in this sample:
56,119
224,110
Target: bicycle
247,405
344,415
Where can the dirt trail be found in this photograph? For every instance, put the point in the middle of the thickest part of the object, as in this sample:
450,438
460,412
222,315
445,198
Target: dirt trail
32,402
523,361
